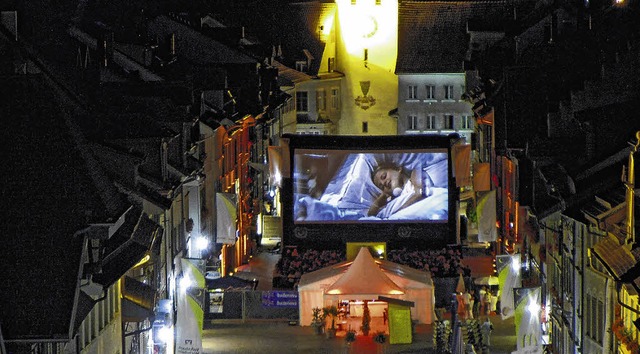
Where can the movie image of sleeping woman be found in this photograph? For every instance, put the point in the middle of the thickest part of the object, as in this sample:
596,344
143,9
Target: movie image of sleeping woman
351,186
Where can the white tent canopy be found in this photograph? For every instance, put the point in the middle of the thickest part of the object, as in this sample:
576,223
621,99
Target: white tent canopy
365,277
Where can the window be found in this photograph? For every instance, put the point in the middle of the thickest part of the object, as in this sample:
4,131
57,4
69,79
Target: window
448,92
431,122
449,122
302,101
321,98
335,98
365,127
431,92
413,92
331,65
467,122
412,122
301,65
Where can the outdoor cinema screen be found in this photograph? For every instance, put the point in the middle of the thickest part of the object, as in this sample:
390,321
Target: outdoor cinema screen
356,186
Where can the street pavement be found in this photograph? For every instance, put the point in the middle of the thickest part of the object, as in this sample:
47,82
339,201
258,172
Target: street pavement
281,338
278,336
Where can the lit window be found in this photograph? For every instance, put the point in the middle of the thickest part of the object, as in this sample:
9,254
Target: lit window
335,98
448,92
302,101
412,122
321,97
413,92
431,92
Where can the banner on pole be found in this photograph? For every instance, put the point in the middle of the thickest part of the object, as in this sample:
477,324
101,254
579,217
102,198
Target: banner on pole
527,319
486,211
227,215
190,307
508,267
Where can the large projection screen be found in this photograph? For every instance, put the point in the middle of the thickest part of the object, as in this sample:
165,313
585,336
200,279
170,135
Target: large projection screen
359,186
394,189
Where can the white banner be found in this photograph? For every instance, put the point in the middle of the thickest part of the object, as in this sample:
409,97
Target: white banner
486,211
226,228
190,307
508,267
527,319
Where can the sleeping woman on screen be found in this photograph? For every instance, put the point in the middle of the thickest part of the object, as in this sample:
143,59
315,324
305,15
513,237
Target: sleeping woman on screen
395,182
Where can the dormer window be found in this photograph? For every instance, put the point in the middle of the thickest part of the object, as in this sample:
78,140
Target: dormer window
301,65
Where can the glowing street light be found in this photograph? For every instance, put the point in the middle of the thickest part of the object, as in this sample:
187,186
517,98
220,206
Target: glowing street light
185,283
202,243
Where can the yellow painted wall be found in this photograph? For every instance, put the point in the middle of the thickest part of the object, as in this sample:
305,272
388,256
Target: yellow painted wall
380,249
374,27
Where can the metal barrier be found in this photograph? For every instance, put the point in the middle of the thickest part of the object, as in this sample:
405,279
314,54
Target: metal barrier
252,304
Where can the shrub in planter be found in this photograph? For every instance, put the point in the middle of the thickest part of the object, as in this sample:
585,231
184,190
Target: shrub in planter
380,337
318,320
351,336
331,311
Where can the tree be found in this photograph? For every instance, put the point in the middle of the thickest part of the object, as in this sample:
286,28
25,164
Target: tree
366,319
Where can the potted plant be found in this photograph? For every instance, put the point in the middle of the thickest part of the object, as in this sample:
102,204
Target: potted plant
380,337
318,320
472,215
366,319
331,311
350,337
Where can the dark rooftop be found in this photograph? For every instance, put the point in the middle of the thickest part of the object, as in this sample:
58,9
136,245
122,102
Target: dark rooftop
432,35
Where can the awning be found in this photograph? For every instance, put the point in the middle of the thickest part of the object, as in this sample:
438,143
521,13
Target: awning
138,300
127,247
394,301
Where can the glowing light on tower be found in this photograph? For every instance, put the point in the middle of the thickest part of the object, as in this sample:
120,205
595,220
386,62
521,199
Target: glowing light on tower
366,24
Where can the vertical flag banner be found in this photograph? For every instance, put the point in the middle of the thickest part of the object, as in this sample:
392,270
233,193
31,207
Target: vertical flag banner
527,320
486,211
482,177
275,165
462,164
226,208
485,116
190,307
508,267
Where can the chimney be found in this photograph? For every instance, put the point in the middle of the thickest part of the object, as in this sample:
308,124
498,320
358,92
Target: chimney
172,44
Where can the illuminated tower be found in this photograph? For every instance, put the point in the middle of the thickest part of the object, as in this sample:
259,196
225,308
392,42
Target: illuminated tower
366,51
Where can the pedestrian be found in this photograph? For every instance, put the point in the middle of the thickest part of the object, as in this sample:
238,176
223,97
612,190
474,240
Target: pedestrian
483,307
485,330
487,302
476,303
462,311
470,349
468,305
